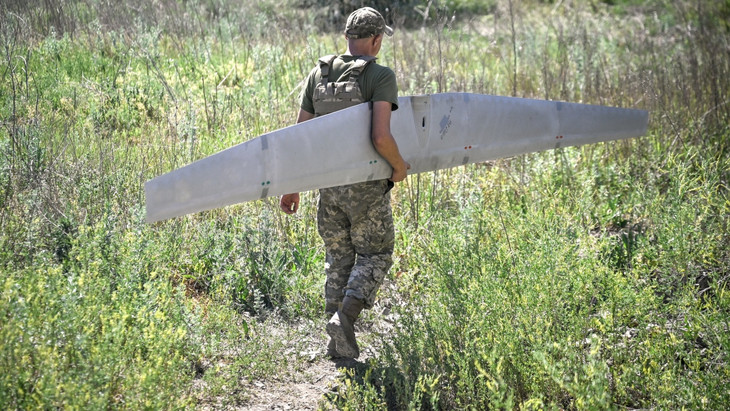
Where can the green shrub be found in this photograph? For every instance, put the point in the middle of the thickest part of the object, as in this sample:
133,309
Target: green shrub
105,330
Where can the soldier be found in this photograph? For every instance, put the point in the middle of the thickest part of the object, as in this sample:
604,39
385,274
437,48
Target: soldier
355,221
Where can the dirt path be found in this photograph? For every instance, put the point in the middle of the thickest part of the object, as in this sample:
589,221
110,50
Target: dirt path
302,394
305,390
282,365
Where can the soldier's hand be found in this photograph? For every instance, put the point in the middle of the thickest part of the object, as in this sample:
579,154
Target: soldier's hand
400,173
289,203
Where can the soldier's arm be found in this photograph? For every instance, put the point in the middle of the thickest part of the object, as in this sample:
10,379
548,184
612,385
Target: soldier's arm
289,203
384,142
304,115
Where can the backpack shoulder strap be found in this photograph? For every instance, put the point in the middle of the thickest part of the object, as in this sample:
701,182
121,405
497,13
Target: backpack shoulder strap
360,65
324,66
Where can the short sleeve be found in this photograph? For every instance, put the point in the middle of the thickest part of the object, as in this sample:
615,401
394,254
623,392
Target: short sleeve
386,88
306,102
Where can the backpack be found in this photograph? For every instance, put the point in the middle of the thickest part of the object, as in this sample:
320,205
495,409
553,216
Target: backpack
330,96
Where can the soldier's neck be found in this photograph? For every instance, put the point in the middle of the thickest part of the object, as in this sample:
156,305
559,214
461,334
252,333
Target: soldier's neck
359,49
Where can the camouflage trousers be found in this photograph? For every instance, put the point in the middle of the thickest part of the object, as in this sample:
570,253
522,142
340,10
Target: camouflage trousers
356,223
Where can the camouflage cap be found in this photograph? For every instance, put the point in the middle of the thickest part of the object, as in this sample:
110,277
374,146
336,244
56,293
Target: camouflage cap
366,22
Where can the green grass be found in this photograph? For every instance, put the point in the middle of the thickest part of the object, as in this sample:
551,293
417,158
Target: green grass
583,278
551,301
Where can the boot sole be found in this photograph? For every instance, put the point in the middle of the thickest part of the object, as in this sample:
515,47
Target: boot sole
344,347
332,350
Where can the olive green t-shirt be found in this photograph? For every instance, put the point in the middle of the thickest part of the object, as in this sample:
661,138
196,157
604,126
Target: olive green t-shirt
377,83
